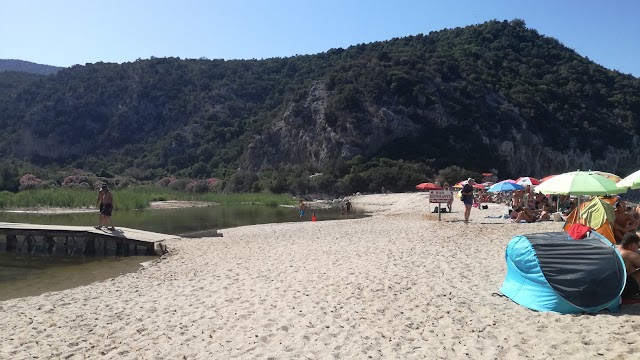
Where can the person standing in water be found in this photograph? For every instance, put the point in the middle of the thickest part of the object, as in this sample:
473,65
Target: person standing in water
302,207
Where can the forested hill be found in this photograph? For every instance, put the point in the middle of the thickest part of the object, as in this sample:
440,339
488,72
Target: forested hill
27,66
491,96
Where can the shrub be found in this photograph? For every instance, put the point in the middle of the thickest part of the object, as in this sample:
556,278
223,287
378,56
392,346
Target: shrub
72,180
214,184
30,182
124,182
179,184
197,186
165,181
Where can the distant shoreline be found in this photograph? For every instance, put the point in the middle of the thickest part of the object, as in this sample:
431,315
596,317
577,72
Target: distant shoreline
169,204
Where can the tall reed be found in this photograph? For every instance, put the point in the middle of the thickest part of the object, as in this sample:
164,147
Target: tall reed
130,198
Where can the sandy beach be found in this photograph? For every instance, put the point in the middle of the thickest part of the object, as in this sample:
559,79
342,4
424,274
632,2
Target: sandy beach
396,285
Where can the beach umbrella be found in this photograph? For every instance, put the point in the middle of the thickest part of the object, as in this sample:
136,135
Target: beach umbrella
579,183
632,181
505,186
428,186
524,181
610,176
546,178
460,184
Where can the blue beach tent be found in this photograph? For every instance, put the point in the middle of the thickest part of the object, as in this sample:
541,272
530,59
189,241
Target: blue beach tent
553,272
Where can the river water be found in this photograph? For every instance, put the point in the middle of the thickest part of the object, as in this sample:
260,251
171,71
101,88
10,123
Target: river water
33,274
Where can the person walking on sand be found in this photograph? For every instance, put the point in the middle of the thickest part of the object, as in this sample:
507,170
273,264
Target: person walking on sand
467,198
348,206
302,207
107,208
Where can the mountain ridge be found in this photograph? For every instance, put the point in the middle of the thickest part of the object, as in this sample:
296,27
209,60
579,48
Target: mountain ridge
27,66
491,96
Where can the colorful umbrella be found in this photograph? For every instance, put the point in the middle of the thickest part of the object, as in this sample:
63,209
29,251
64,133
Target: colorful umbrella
632,181
579,183
428,186
610,176
546,178
464,182
524,181
505,186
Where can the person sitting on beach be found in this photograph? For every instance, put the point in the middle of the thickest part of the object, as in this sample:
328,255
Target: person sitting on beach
545,213
513,213
527,215
539,199
623,222
518,199
570,207
628,249
635,218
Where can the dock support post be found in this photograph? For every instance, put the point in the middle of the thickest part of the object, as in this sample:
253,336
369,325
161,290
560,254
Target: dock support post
50,243
119,247
90,246
12,242
31,243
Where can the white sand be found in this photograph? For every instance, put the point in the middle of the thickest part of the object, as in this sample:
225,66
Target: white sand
397,285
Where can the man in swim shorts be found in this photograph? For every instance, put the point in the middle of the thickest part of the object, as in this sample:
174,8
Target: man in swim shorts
100,206
302,207
628,249
107,207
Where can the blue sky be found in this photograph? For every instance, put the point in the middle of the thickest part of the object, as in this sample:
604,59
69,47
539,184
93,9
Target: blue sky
68,32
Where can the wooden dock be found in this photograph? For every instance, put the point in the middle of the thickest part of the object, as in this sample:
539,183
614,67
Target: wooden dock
85,240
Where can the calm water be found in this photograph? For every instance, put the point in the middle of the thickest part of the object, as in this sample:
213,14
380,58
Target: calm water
34,274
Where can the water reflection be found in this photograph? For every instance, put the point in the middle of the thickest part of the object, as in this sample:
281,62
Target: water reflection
33,274
179,221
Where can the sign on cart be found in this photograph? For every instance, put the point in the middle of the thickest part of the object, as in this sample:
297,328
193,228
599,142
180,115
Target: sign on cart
440,196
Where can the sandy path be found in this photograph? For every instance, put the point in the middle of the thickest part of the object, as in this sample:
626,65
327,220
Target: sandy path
393,286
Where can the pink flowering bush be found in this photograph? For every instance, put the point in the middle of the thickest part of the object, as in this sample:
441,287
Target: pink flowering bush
213,184
197,186
30,182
